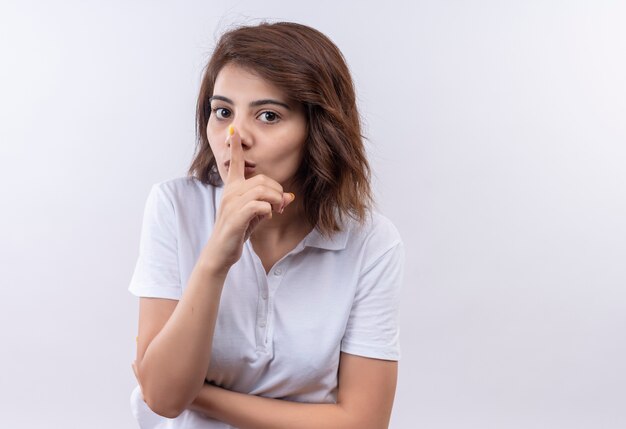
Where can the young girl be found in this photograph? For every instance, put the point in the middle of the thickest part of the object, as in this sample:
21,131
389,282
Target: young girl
268,285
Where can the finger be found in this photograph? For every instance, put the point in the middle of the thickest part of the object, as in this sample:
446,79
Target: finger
237,170
252,213
253,224
288,198
256,208
267,194
262,179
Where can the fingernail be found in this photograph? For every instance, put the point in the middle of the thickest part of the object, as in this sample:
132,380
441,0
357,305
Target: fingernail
293,196
231,130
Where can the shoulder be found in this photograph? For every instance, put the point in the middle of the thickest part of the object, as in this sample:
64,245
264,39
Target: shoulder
374,238
186,191
183,186
376,230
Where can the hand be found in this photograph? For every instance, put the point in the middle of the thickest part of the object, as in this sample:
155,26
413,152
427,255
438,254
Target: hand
245,204
204,402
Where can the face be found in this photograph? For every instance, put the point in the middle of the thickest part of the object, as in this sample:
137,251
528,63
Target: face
272,129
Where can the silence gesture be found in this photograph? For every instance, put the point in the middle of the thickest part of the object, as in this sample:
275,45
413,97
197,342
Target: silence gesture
245,203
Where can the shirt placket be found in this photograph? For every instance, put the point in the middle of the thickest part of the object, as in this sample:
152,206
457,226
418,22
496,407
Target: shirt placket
268,286
274,279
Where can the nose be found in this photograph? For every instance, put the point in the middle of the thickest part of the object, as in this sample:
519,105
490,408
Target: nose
241,127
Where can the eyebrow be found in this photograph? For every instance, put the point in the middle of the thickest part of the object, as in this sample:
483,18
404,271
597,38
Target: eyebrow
253,103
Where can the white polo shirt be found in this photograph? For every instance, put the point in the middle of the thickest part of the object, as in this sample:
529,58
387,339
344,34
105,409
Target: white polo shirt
277,335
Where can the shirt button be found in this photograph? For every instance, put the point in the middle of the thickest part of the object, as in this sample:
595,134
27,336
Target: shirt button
278,271
264,295
262,324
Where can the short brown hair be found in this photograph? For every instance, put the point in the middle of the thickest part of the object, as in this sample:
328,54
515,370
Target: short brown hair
334,174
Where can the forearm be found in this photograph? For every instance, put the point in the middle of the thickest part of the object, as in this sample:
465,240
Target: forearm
255,412
174,366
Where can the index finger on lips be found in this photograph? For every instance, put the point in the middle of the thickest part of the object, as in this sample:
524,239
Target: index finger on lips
236,171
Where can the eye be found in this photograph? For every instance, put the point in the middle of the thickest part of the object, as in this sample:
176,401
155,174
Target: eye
221,112
269,117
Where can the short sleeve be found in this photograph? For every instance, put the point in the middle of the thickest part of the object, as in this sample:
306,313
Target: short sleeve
157,273
373,325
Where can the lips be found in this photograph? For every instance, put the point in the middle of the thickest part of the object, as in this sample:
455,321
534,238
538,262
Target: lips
248,169
248,164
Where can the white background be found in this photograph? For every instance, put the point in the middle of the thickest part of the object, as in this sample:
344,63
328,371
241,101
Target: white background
497,133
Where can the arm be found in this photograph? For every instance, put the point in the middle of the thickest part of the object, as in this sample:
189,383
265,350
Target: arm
175,339
366,389
171,379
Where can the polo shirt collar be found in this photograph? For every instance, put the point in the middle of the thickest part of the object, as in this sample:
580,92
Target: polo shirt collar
337,241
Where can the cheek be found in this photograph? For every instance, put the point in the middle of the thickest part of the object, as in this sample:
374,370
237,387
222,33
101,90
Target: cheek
213,133
290,144
284,154
217,150
213,143
296,150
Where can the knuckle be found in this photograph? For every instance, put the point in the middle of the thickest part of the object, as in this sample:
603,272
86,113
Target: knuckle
261,188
